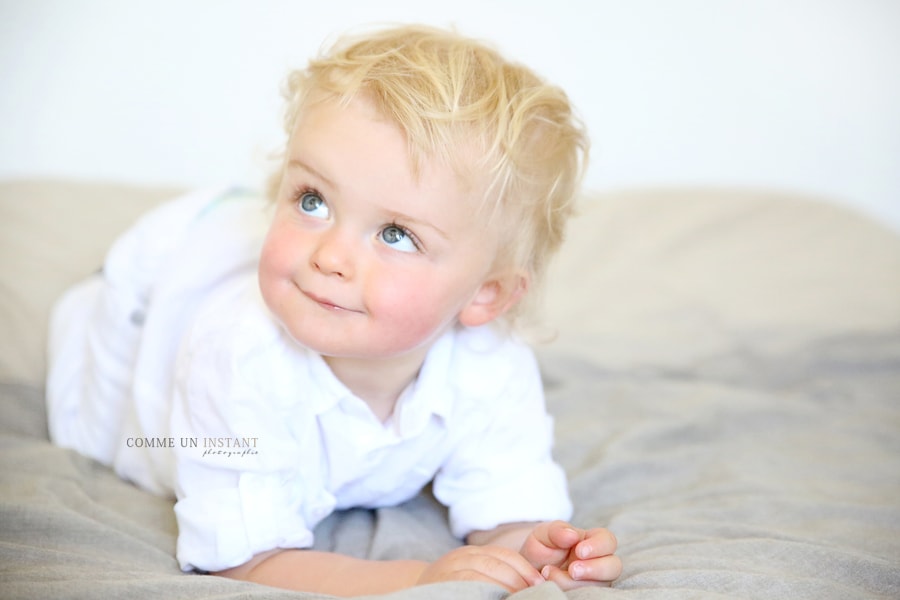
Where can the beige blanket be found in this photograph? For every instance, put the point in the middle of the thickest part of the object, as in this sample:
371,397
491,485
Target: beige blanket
725,376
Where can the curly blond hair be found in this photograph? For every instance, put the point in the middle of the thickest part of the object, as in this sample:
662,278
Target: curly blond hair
459,101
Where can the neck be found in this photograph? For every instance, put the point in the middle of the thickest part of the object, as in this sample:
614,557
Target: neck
378,382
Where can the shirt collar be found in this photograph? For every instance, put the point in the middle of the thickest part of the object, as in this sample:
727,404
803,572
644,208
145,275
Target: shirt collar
328,389
430,394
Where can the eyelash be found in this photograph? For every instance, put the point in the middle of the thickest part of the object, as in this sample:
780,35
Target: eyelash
412,237
302,191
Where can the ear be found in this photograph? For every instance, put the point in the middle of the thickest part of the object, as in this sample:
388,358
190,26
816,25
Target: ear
495,296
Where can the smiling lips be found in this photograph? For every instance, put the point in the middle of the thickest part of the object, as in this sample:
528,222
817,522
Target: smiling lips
327,304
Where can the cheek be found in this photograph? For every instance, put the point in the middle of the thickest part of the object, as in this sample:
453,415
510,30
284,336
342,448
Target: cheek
276,263
411,303
278,252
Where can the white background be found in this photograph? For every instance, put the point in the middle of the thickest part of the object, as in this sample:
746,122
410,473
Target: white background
799,95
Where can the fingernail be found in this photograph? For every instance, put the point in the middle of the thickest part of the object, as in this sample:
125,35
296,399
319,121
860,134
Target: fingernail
576,570
545,572
583,551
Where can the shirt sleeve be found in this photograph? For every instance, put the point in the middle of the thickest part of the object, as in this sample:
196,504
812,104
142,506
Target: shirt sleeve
502,470
241,489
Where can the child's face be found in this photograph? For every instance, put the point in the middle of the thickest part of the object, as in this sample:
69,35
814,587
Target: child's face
363,259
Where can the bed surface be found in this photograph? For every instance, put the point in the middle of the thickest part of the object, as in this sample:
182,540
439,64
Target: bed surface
723,367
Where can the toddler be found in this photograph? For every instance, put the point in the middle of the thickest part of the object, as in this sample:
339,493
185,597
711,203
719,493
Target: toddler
347,341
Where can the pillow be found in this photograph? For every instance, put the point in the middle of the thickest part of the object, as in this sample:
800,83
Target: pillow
671,278
53,233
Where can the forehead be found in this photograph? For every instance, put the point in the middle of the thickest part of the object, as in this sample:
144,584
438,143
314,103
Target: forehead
429,142
355,150
353,138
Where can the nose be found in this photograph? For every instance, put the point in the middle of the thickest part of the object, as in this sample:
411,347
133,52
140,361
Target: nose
333,255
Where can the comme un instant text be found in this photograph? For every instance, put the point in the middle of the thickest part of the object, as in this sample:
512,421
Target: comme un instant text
231,443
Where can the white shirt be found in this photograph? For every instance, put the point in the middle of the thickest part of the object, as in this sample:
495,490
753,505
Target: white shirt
474,421
260,441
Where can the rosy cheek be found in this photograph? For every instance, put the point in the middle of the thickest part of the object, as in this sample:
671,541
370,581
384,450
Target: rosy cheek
277,250
405,303
274,264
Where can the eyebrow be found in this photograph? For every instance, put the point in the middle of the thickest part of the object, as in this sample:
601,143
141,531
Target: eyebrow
296,163
415,223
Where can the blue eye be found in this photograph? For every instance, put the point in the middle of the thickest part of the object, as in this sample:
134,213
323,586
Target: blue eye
313,204
398,238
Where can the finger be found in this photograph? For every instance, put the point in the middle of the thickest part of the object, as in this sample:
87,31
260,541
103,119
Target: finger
603,569
506,565
511,585
550,544
558,534
596,543
564,581
492,564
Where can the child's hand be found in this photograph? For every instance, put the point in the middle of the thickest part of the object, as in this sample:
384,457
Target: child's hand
493,564
572,557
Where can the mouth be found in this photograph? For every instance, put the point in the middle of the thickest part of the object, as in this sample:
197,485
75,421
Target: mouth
327,304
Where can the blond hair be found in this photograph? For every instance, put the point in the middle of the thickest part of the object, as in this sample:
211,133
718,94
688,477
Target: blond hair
459,101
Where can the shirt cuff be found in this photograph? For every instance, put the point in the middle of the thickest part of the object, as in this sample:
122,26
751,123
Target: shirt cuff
538,494
223,528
